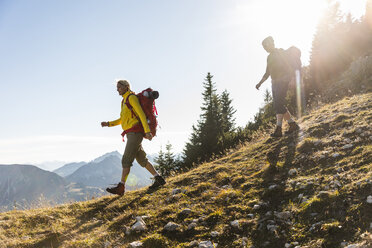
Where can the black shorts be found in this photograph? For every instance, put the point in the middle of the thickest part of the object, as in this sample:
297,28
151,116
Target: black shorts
279,89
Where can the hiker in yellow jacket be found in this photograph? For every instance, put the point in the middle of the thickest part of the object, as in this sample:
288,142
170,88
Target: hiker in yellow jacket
133,148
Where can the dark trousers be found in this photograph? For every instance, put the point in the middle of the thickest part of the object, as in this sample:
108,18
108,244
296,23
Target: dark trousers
279,90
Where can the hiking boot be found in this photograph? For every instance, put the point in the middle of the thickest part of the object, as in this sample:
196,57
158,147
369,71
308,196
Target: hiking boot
293,127
117,190
277,132
158,181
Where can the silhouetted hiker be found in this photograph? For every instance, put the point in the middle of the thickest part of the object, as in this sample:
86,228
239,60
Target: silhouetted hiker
133,148
281,74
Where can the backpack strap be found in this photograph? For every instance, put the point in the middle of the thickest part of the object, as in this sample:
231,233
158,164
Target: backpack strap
130,106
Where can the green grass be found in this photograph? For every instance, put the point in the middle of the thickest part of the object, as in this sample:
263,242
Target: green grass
228,189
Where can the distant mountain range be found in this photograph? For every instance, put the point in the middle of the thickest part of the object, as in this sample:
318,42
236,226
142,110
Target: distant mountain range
108,171
68,169
27,186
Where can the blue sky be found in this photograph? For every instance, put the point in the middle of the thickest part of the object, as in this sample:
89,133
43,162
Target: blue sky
60,60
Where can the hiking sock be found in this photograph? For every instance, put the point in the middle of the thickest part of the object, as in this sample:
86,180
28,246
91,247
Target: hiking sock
279,120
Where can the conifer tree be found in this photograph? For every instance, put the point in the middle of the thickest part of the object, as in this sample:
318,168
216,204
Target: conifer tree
160,162
205,136
227,113
166,161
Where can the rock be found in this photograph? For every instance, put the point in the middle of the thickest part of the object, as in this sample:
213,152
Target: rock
369,199
283,215
192,226
352,246
206,244
126,230
244,241
347,140
292,172
235,223
251,216
215,234
347,146
336,155
272,187
193,243
171,227
176,191
337,183
139,226
186,211
106,244
256,207
343,244
226,186
135,244
300,196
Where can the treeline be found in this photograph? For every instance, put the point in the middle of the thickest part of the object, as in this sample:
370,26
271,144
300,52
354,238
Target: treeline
341,44
340,64
215,131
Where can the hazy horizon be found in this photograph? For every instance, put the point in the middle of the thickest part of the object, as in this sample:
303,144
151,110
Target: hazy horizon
62,59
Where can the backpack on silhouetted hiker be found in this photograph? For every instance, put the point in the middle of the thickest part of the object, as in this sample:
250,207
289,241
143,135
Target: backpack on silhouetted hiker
293,55
146,99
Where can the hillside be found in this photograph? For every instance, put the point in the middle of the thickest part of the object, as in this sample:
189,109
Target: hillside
312,190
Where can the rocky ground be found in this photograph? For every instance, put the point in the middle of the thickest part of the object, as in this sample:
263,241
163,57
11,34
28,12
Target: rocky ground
313,189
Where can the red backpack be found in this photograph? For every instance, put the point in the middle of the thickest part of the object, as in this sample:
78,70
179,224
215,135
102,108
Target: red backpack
147,101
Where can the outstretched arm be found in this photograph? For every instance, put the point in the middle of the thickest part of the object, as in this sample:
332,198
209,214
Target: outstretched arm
111,123
264,78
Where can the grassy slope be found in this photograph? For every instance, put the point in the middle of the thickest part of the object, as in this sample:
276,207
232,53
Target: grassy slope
340,214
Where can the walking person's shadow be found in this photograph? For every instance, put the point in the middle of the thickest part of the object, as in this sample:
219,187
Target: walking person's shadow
288,145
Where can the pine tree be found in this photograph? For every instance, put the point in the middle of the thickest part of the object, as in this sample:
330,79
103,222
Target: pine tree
160,162
170,160
328,56
166,162
227,113
204,140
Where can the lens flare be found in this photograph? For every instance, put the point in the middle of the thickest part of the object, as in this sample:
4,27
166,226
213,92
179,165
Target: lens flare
300,96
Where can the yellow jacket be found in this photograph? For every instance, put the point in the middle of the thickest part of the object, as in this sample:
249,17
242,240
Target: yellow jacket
126,119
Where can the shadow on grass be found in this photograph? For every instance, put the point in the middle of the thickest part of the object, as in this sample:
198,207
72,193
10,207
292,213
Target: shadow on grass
280,159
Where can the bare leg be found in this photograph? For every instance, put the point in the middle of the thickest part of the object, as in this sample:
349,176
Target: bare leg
288,117
151,169
125,174
279,120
